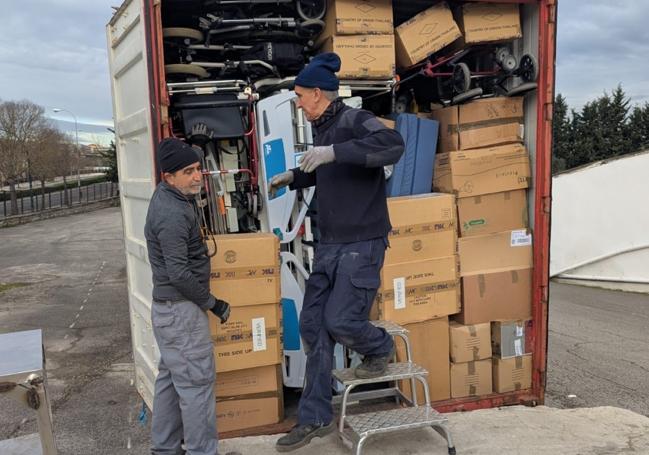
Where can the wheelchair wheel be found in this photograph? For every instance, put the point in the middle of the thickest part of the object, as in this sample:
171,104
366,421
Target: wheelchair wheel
311,9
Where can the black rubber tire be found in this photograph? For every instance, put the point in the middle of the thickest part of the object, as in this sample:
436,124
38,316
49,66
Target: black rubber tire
308,14
461,78
528,68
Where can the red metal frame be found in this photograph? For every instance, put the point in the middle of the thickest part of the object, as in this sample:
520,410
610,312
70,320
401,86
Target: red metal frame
537,333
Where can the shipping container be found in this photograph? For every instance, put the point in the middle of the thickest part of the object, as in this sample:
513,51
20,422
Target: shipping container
141,105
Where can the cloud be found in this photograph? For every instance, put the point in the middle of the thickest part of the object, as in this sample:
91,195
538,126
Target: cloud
600,45
54,53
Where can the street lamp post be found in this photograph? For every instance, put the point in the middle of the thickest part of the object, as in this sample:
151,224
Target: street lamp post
76,132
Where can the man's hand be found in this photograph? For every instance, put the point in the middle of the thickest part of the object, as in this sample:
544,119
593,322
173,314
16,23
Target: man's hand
279,181
221,309
317,156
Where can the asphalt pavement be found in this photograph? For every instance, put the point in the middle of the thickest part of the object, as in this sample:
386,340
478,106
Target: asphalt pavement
72,272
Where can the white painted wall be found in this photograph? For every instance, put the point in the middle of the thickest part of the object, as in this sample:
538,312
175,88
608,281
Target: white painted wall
600,223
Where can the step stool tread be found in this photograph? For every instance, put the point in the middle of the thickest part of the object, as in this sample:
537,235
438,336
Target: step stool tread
394,420
390,327
395,371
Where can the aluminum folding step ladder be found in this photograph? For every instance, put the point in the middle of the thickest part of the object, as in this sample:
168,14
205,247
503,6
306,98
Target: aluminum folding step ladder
355,429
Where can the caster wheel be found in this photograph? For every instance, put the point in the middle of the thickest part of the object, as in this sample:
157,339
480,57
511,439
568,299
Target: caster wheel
311,9
509,64
461,78
528,68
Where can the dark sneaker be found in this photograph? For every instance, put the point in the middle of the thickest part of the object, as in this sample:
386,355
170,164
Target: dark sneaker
373,366
301,435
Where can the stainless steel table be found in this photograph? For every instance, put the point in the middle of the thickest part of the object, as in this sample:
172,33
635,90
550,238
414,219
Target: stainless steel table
22,377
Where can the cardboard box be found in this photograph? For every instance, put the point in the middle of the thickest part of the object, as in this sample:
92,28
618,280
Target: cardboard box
429,346
423,227
480,123
508,338
491,253
387,122
418,291
490,22
512,374
427,32
491,213
250,338
469,342
363,56
471,379
248,411
482,171
496,272
359,17
249,381
245,269
493,296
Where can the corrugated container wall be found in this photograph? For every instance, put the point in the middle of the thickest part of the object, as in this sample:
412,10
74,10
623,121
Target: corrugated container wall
140,109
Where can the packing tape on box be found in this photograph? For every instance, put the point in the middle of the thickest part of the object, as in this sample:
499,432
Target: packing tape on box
472,390
477,200
471,366
507,195
472,330
514,277
476,353
242,273
417,291
519,363
251,396
517,386
241,336
425,228
458,128
481,285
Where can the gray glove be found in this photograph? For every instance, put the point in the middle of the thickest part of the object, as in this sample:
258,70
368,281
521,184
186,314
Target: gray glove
221,309
279,181
317,156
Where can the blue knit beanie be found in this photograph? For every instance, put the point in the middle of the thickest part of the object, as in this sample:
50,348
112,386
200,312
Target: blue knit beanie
320,72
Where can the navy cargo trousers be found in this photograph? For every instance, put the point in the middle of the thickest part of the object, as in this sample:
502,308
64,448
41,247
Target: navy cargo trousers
337,302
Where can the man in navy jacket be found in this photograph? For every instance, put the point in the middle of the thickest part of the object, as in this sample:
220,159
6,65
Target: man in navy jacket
351,147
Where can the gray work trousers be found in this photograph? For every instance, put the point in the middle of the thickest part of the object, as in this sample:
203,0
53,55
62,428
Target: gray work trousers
183,404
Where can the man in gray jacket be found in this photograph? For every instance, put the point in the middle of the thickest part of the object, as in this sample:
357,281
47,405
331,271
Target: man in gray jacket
183,403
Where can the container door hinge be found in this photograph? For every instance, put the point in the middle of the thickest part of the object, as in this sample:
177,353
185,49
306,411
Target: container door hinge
547,204
552,11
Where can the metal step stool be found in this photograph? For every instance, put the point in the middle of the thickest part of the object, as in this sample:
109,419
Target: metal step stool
355,429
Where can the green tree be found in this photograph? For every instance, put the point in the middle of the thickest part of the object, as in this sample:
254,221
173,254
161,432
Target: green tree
639,128
110,159
562,140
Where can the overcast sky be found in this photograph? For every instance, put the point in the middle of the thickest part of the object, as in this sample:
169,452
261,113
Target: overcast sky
53,52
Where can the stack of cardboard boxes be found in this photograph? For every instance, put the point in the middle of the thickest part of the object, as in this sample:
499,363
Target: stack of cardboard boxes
484,163
361,32
420,282
247,348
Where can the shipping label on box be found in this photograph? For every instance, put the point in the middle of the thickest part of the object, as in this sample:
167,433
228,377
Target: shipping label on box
482,171
490,22
471,379
245,269
427,32
249,381
248,411
418,291
429,347
492,213
480,123
423,227
363,56
250,338
491,253
508,338
492,296
469,342
512,374
359,17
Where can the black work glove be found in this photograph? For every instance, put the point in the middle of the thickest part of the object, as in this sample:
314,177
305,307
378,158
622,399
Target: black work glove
221,309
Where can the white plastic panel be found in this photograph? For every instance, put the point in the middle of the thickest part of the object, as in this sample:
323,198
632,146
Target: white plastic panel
131,108
599,221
